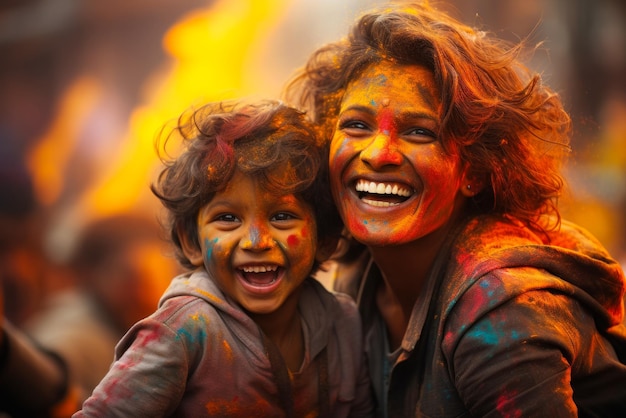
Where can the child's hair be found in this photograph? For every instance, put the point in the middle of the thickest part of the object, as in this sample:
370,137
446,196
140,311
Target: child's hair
275,144
495,114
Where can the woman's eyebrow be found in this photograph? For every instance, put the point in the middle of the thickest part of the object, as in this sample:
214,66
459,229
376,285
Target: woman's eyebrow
427,95
359,108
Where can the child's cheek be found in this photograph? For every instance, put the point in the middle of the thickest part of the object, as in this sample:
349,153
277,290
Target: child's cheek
300,242
293,241
211,247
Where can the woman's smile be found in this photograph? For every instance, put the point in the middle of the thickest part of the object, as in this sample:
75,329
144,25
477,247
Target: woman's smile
383,194
390,175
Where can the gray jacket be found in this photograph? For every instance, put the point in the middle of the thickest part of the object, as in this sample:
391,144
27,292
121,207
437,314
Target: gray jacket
200,355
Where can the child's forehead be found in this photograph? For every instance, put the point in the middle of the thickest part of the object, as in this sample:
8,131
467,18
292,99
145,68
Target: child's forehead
275,182
253,191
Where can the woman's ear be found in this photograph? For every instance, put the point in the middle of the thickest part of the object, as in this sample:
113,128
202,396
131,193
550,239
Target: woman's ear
472,184
192,251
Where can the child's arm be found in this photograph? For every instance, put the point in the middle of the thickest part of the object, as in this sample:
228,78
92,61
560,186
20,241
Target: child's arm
147,378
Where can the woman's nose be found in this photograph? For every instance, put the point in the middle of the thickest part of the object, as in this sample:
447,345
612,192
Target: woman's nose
256,238
382,151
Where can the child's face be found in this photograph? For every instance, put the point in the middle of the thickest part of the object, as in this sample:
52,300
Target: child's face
391,178
257,246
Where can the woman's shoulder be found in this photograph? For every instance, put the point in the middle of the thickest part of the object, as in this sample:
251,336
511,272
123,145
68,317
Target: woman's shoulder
497,261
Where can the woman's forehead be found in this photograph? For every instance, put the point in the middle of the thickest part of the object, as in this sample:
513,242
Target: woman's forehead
390,83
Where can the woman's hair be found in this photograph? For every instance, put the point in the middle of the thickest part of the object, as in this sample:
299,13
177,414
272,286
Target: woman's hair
271,142
511,129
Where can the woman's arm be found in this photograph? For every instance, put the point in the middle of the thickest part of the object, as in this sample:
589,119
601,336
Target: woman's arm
517,358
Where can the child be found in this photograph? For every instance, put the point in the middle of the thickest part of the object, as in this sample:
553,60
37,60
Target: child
247,332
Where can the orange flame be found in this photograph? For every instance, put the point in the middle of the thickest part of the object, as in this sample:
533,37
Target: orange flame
209,51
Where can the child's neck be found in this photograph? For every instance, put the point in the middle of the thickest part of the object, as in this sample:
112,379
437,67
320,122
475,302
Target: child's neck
283,327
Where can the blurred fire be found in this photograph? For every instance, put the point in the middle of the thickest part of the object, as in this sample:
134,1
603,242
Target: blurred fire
53,150
209,53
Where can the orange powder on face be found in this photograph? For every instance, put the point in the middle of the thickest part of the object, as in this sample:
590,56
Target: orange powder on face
387,126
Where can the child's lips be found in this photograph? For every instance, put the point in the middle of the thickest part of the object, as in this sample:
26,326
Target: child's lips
260,279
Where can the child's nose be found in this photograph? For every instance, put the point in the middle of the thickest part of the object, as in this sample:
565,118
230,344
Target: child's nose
257,238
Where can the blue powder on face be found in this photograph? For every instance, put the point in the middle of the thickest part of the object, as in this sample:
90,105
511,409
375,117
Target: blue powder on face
209,248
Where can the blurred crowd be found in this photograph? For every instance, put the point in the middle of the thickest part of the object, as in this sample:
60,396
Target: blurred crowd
75,309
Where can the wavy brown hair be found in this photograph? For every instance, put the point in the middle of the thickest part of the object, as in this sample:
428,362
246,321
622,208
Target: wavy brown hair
259,139
496,114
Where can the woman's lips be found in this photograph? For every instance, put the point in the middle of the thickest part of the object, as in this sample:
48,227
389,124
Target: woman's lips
382,194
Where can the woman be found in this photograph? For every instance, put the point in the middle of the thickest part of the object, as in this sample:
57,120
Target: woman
445,159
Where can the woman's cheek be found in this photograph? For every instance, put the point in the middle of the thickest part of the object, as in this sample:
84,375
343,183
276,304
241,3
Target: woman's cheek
341,150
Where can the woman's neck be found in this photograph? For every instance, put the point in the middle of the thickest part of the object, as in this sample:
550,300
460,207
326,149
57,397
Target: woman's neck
405,269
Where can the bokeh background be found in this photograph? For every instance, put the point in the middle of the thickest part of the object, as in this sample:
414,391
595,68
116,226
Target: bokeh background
85,85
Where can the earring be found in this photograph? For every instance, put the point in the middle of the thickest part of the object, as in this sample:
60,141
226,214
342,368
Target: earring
469,187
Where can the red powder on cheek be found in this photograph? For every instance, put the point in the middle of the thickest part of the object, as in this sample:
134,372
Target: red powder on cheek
356,225
293,240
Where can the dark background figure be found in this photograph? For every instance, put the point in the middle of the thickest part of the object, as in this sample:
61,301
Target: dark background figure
61,321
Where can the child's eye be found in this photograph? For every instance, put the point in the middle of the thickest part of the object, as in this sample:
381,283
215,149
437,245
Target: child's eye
283,216
226,217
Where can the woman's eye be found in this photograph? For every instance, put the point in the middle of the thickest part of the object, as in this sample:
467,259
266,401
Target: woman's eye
422,134
353,124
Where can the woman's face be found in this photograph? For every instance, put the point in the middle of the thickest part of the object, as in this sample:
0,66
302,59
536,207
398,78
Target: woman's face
391,178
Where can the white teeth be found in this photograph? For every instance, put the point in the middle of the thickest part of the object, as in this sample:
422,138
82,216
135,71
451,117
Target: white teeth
381,188
259,269
379,203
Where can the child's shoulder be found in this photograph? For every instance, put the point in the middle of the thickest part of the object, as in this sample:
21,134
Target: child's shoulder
337,303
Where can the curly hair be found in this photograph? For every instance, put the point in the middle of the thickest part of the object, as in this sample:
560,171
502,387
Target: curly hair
273,143
511,129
